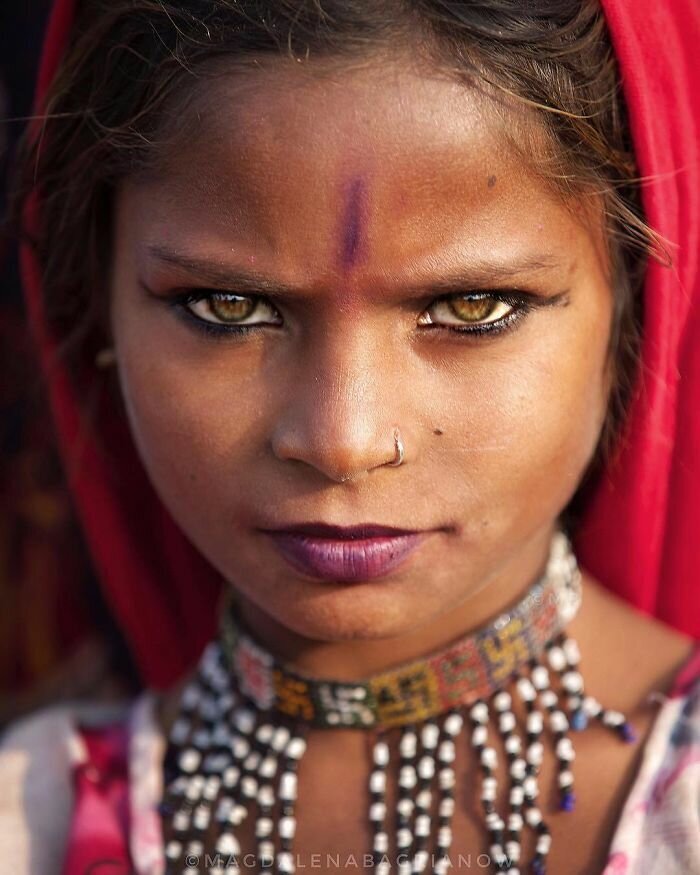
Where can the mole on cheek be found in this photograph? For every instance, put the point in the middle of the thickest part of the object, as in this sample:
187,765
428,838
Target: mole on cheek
352,227
491,181
438,431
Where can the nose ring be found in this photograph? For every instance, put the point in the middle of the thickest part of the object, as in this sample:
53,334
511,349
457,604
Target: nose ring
399,450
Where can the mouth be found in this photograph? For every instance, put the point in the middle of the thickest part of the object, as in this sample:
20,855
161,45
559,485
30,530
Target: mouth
346,554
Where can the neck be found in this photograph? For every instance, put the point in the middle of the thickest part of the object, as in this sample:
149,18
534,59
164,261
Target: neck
353,660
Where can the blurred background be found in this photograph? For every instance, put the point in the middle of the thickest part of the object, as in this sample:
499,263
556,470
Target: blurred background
57,639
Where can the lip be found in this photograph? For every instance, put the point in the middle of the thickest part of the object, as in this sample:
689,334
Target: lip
346,553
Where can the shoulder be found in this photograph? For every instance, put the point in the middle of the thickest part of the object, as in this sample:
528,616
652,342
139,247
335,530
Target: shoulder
628,653
37,756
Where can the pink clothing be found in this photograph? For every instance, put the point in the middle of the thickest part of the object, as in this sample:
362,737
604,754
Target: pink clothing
115,774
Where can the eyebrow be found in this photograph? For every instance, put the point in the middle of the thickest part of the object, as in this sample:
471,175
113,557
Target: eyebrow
248,281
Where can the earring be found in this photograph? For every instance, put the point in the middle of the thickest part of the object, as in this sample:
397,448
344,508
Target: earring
106,357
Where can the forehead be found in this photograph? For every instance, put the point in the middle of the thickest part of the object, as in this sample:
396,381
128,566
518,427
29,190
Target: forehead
336,165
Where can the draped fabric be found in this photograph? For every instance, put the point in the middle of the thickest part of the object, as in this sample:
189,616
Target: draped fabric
637,533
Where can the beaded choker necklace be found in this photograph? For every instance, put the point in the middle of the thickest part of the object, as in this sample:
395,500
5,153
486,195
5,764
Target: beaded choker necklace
234,749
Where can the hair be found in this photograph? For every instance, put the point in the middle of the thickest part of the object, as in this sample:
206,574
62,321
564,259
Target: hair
131,63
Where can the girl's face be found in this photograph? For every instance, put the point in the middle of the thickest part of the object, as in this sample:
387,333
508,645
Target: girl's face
343,220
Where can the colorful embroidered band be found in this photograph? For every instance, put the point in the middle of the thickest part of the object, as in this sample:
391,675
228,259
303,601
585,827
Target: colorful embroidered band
469,669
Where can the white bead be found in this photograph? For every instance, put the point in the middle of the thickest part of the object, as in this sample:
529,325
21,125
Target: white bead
268,767
249,786
405,867
381,753
557,659
252,761
195,847
200,818
264,733
530,786
244,720
502,701
566,778
424,799
591,706
189,760
407,745
263,827
572,682
444,837
479,736
377,782
453,724
285,861
533,816
479,712
516,795
493,821
227,844
442,865
534,723
173,849
407,777
488,757
288,786
558,721
446,778
446,751
422,825
295,748
526,690
383,867
506,722
231,776
238,815
287,827
377,811
240,747
181,821
548,699
544,842
405,807
430,735
489,784
487,795
518,768
280,739
515,822
426,767
573,654
211,788
535,753
266,851
513,744
540,677
497,854
446,807
404,837
565,749
420,861
381,842
613,718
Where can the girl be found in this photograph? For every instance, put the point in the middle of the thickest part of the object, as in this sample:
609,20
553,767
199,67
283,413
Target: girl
340,304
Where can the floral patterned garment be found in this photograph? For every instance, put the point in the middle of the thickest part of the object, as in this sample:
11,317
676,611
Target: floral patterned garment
104,774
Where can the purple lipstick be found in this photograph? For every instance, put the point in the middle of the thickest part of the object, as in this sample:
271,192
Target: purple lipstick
345,554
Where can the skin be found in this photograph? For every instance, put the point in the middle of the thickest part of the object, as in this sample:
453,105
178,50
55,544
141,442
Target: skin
409,180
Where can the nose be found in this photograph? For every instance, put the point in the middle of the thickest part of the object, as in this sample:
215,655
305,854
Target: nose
340,418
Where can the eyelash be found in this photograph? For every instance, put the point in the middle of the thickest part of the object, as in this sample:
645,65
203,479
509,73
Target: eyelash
521,302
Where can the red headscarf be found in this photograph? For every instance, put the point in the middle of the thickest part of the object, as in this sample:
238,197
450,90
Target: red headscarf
638,533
